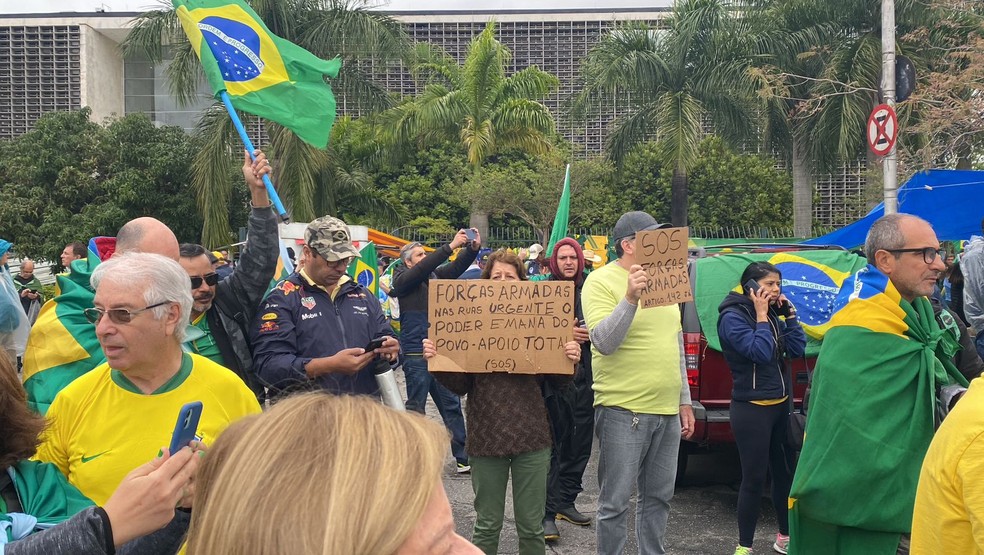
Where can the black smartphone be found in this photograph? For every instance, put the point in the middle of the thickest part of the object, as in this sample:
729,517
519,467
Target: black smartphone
471,234
375,344
751,286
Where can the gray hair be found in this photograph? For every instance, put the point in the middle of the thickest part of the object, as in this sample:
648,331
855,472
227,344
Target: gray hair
164,280
886,234
407,250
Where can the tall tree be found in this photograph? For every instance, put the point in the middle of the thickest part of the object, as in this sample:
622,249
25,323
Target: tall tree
475,104
70,179
327,28
672,82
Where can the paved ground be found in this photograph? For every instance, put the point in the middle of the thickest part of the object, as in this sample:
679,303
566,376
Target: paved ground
701,521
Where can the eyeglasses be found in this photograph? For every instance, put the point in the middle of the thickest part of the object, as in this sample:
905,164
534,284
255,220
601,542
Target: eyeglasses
339,264
210,279
929,253
117,315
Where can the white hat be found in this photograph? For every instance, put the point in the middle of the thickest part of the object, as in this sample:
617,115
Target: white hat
535,250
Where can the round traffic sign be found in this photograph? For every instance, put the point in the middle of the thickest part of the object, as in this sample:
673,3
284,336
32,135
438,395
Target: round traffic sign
883,129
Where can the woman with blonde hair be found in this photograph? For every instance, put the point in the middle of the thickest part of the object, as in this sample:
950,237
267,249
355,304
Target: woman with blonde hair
326,474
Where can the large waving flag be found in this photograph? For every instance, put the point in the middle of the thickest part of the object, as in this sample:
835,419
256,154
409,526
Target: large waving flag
262,73
365,269
811,281
63,345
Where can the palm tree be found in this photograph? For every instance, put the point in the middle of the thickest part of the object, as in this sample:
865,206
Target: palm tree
672,81
309,179
829,72
475,104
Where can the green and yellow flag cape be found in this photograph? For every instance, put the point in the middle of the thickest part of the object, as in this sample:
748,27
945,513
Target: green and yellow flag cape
44,493
870,421
63,345
262,73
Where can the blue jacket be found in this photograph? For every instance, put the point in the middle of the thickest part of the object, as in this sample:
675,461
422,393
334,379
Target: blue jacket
299,322
756,351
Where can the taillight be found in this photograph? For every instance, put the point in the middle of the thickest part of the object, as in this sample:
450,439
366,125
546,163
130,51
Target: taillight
691,351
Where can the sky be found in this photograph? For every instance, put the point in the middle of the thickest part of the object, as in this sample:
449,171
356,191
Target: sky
48,6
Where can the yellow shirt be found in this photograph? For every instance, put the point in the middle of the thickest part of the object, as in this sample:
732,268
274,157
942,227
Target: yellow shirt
101,428
949,511
643,374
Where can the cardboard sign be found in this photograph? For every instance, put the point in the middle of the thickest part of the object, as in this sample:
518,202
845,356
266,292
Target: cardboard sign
663,253
481,326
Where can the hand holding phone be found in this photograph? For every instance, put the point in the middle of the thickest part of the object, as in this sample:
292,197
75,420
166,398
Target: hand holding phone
186,427
751,286
471,234
375,344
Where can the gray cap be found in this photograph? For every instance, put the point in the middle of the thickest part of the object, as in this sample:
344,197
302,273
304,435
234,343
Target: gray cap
633,222
329,237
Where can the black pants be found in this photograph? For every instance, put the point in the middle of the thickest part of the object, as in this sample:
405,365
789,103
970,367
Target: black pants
570,455
760,433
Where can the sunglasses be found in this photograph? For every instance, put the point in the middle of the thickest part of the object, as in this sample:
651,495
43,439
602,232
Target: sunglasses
929,253
117,315
210,279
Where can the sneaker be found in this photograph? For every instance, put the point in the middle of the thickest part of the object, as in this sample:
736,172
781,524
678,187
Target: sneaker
741,550
782,544
572,515
550,531
463,468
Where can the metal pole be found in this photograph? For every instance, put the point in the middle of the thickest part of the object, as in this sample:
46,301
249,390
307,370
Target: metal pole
890,161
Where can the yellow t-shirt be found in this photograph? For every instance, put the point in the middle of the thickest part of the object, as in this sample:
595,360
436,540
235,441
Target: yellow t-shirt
643,374
101,427
949,513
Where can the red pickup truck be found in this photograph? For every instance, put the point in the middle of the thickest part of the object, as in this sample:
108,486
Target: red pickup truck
708,373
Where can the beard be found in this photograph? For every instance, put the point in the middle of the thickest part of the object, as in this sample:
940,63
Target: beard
202,303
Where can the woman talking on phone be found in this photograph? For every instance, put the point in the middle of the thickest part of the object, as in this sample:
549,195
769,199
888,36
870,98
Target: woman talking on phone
758,330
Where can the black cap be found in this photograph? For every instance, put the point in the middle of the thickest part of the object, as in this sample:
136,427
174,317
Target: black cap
633,222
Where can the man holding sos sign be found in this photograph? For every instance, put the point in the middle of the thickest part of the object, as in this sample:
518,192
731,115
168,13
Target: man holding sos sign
642,402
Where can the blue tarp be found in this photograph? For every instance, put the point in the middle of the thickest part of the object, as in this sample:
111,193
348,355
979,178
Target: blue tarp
951,200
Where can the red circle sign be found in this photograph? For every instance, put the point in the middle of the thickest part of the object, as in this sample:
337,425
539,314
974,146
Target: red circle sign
883,129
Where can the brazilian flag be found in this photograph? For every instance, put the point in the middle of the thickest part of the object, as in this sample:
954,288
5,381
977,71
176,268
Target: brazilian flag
263,74
63,344
810,280
364,269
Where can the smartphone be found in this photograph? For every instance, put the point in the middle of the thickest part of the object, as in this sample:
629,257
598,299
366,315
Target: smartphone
751,286
471,234
186,427
375,344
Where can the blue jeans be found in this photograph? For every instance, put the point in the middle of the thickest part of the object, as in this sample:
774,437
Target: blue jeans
419,384
635,450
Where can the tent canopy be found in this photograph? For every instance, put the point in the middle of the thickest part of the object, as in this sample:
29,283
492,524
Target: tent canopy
951,200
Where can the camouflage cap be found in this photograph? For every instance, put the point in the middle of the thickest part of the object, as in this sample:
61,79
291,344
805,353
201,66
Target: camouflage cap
329,237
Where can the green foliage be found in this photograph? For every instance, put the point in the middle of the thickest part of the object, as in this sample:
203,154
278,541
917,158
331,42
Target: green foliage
726,188
432,228
429,183
70,179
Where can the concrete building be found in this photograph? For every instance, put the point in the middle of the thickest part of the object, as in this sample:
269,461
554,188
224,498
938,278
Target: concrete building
58,60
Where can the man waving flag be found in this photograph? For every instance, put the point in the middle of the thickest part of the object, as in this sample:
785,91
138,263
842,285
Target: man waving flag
262,74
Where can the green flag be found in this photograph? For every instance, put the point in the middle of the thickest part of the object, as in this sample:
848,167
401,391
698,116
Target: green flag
263,74
559,230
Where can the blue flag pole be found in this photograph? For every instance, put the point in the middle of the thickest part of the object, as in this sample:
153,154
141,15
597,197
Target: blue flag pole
274,197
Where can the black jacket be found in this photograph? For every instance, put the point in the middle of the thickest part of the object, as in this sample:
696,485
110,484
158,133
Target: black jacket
238,296
410,286
756,351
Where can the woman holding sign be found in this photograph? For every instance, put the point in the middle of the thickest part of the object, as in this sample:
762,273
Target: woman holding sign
508,432
758,329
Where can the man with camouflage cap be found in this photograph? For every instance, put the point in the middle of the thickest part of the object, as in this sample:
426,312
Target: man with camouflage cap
311,331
